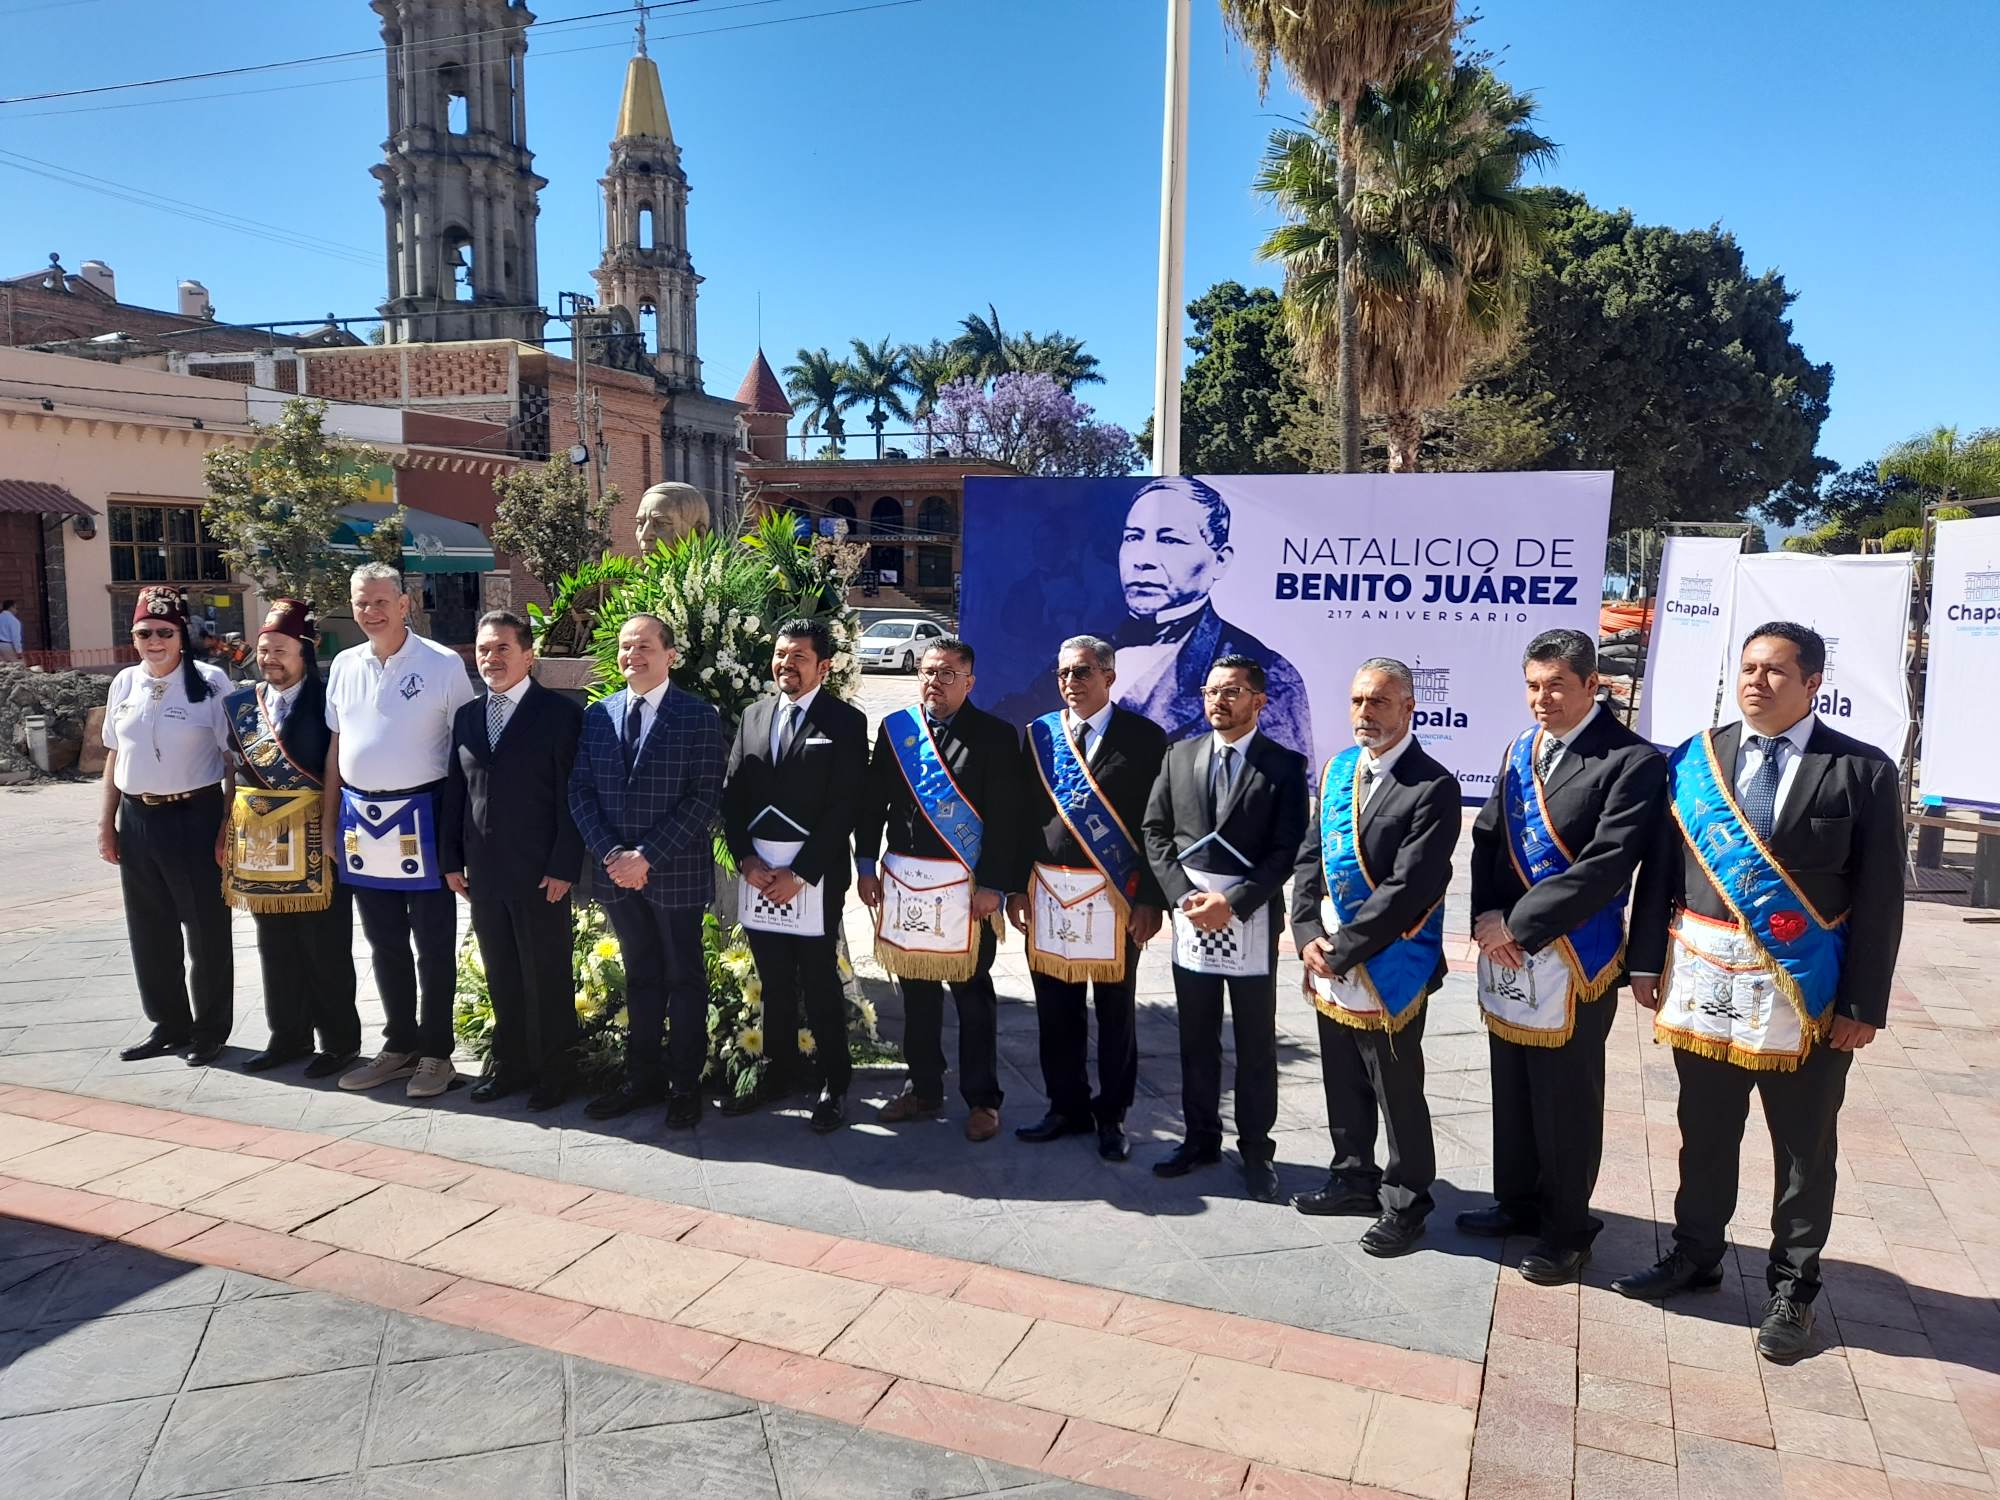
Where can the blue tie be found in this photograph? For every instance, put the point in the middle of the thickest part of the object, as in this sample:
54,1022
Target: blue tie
632,709
1760,799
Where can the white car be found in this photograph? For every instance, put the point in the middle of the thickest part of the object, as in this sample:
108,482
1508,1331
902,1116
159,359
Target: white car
896,644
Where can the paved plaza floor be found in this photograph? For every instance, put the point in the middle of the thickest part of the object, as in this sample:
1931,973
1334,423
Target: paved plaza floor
1006,1305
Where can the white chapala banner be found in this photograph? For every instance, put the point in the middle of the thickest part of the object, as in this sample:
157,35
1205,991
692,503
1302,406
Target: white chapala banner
1959,761
1689,647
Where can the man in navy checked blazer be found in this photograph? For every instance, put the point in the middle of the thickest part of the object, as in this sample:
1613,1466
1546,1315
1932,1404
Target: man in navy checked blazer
645,794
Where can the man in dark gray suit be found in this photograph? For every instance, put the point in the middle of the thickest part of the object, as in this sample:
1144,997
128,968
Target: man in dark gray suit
1368,919
1553,851
1772,903
645,792
1223,828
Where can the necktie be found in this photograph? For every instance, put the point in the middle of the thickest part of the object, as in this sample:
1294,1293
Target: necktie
1218,783
789,731
277,711
1760,798
632,710
1081,739
496,718
1551,748
1369,775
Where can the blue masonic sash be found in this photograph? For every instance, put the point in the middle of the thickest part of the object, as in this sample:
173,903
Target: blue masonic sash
1594,950
1398,974
938,797
1083,806
1800,949
389,843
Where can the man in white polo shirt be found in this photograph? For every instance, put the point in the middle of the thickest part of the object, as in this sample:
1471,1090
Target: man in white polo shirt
390,703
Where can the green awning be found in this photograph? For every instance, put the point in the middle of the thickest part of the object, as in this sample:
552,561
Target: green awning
431,543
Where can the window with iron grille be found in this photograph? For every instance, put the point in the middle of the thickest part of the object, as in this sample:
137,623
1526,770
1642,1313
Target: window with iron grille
160,543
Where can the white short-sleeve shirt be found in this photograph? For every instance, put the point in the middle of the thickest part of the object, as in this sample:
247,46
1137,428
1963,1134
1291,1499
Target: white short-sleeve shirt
166,744
394,717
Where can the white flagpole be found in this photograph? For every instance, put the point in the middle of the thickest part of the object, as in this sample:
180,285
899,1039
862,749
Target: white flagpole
1173,239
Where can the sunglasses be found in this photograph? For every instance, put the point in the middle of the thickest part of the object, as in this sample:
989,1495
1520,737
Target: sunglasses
163,633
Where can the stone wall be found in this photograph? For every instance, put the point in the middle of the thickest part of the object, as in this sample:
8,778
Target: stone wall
67,698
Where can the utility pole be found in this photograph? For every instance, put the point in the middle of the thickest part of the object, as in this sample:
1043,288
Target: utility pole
581,314
1173,239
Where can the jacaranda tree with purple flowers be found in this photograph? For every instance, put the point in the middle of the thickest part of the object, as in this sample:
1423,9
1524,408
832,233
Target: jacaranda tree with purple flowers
1031,422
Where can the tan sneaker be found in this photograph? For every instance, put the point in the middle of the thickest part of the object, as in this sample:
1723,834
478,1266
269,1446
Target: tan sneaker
433,1077
384,1067
982,1125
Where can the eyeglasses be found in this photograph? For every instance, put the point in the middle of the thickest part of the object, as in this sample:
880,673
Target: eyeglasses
1064,674
944,676
162,633
1223,694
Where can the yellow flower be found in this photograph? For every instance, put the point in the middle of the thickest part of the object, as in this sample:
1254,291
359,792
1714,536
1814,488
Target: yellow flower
751,1040
867,1009
846,968
583,1002
606,948
737,962
620,1019
807,1043
753,992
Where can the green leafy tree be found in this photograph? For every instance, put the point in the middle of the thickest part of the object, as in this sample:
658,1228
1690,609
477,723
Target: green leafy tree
1240,389
931,368
1057,354
276,505
818,386
1333,50
1946,467
1665,360
878,377
546,517
981,345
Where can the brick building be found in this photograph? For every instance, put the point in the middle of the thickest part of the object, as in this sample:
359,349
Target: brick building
53,305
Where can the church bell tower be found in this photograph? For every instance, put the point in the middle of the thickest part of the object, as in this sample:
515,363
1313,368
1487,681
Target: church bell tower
459,191
646,270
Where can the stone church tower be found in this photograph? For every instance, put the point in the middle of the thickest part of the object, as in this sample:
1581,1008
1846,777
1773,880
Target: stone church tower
458,183
646,270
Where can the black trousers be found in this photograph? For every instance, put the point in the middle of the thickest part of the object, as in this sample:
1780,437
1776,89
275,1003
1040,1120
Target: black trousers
978,1032
175,917
666,992
307,959
802,974
395,921
1367,1071
1802,1109
1062,1020
1253,1012
526,944
1548,1127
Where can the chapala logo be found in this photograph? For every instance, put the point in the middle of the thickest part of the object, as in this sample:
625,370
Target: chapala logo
1981,605
1830,702
1695,596
1433,692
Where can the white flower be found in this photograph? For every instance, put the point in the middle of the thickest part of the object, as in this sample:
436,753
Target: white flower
707,673
808,1043
750,623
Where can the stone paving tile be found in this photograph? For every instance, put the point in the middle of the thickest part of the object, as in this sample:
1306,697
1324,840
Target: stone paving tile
44,1453
513,1248
930,1339
395,1222
466,1403
268,1338
72,1163
282,1430
1271,1415
781,1306
1120,1382
106,1359
637,1274
285,1196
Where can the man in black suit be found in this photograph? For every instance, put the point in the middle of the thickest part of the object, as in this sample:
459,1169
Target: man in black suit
1373,947
1549,917
981,804
1223,828
1089,759
1773,986
795,775
508,844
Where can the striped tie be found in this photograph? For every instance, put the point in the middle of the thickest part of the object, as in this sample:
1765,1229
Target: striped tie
496,718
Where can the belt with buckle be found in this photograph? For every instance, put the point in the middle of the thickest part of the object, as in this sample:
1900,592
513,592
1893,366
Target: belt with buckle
160,799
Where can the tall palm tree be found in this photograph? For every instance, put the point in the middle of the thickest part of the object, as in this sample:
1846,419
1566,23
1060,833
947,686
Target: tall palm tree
1444,238
931,367
1332,50
1058,354
817,384
1945,466
877,377
983,345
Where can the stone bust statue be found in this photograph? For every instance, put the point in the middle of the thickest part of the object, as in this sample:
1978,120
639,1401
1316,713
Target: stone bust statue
668,512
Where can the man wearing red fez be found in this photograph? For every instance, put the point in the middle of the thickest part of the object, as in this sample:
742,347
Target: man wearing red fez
276,865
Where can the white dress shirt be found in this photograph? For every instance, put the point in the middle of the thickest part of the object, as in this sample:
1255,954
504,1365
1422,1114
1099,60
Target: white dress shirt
1750,760
1382,764
394,717
1568,739
1239,751
166,744
803,703
1096,721
278,703
649,710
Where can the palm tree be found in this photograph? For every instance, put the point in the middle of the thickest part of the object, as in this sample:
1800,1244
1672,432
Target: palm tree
877,376
1057,354
1444,239
1945,466
1333,50
930,367
817,384
983,345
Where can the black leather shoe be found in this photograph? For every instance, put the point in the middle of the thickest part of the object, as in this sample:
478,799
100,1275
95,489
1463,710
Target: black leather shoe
622,1101
153,1046
1673,1272
495,1085
1337,1198
683,1111
548,1094
1786,1331
1494,1223
274,1057
1392,1235
326,1064
1548,1265
829,1114
1260,1181
1112,1144
1053,1127
1184,1158
201,1054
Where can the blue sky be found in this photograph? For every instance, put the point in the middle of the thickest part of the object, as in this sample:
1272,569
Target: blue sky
886,171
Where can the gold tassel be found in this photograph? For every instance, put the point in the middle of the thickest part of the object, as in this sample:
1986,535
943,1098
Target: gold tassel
1529,1036
269,906
946,968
